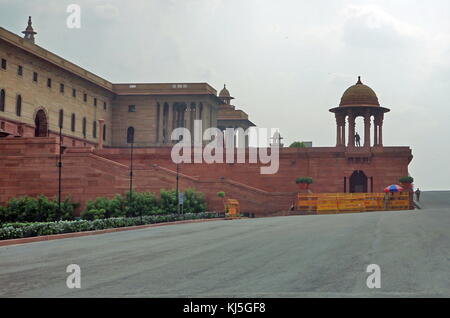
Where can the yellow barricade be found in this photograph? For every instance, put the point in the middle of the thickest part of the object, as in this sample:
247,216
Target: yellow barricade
327,204
332,203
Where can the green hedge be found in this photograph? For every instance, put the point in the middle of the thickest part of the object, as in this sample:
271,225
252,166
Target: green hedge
39,209
143,204
20,230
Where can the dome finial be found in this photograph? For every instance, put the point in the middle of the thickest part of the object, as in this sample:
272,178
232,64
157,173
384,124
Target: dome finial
359,80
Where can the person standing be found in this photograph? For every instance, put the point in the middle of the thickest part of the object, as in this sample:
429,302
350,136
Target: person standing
358,140
417,192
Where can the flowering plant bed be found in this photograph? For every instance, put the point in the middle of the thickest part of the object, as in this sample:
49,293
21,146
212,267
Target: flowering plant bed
22,230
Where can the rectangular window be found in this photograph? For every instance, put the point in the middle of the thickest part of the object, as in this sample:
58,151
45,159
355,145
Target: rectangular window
61,88
104,105
131,108
4,64
95,102
20,70
49,82
74,92
35,77
85,98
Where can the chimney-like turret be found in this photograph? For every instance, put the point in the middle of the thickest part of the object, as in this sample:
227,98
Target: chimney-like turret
29,32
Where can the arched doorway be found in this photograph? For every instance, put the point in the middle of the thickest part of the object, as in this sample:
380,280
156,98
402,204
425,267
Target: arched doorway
41,124
358,182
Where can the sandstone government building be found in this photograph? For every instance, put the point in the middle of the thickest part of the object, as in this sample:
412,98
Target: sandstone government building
41,92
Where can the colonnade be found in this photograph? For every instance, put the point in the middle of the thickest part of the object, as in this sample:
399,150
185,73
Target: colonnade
175,115
350,116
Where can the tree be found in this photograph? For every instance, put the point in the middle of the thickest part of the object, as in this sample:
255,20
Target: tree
297,144
221,195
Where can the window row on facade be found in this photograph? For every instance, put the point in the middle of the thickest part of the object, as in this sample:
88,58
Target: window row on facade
60,119
62,86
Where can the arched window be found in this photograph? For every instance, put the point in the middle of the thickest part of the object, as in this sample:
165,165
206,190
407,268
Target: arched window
2,100
94,129
61,118
104,132
130,135
72,123
41,124
19,105
84,127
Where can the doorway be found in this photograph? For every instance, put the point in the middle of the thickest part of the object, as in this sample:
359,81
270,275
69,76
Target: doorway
358,182
41,124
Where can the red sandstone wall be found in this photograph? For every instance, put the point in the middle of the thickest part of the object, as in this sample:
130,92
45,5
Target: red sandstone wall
28,166
327,166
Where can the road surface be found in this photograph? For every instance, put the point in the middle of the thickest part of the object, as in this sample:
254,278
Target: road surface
295,256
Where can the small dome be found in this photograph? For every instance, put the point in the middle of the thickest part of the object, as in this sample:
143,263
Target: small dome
224,92
359,95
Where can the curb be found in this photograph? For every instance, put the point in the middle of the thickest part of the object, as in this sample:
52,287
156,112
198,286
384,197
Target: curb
88,233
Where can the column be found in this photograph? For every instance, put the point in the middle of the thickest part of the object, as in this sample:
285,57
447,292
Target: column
338,135
375,131
338,131
380,132
367,130
351,130
380,135
101,123
343,132
169,122
160,122
188,114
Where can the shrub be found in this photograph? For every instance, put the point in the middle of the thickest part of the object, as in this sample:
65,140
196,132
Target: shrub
407,179
2,214
168,201
140,204
117,207
93,208
93,214
307,180
297,144
221,194
194,201
40,209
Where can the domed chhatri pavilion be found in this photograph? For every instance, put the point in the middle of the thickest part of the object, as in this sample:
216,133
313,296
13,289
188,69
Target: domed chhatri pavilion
359,100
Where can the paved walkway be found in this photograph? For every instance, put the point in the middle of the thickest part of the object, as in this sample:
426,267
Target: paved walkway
295,256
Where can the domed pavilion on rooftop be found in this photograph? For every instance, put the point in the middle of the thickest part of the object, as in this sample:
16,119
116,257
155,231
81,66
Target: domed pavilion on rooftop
359,100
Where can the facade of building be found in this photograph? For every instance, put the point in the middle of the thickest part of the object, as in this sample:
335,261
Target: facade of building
41,91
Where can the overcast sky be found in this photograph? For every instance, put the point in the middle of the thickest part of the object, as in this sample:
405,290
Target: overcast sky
285,62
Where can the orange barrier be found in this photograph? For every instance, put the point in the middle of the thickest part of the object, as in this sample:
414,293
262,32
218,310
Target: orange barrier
233,207
332,203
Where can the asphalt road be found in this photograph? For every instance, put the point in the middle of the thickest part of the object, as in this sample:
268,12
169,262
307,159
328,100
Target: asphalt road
296,256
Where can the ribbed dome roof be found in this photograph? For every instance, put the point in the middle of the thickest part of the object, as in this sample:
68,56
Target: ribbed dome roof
224,92
359,95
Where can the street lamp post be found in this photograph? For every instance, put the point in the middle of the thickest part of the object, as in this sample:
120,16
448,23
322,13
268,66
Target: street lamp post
177,194
59,165
58,217
131,172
